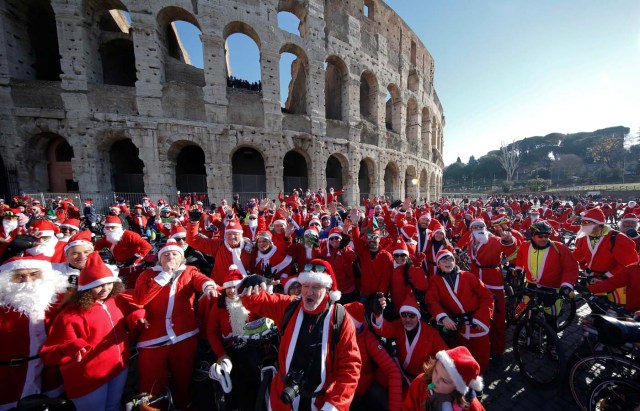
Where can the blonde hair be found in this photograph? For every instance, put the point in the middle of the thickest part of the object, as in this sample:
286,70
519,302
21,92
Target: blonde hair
428,368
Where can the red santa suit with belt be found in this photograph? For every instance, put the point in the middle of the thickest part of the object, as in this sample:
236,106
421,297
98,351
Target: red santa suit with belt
277,260
340,367
129,246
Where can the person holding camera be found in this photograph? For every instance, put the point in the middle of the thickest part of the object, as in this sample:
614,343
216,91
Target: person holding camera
319,360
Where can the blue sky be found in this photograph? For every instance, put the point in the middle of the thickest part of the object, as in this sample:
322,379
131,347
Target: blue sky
511,69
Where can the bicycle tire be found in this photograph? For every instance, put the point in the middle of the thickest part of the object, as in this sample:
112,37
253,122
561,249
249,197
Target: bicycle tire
614,395
510,305
567,313
533,340
593,369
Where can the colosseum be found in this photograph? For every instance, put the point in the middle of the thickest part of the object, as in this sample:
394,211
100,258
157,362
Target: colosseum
100,97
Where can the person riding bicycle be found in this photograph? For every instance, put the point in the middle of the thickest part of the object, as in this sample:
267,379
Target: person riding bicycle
547,264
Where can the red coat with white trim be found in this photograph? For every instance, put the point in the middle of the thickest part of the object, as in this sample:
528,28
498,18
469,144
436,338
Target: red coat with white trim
341,373
303,255
400,288
602,257
169,304
556,265
485,262
418,393
629,278
219,329
217,248
431,252
130,245
412,356
341,261
102,331
469,294
376,272
277,259
22,337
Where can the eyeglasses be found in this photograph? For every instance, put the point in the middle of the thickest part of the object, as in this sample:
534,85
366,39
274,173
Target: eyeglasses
334,238
372,237
314,225
180,239
447,258
399,256
318,268
542,235
253,218
407,315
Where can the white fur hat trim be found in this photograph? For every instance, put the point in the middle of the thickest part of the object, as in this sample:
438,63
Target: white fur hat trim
450,366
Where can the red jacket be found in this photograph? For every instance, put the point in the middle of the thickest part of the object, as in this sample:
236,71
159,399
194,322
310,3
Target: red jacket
341,261
376,272
604,259
168,304
303,255
630,278
400,288
418,393
102,331
219,329
556,265
130,245
485,262
277,259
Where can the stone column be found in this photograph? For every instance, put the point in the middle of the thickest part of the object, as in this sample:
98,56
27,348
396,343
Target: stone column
215,77
270,68
426,139
352,190
315,76
88,165
149,64
72,38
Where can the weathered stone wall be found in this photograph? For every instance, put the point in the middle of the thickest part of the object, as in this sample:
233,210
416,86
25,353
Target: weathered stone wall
173,104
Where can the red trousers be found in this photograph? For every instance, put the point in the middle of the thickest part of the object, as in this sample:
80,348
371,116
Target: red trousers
499,324
156,364
479,347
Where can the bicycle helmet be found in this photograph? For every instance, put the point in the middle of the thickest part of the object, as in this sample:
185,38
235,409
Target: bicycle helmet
541,227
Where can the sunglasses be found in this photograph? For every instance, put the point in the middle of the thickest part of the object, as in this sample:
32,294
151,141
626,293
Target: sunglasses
253,218
542,235
399,256
314,225
407,315
180,239
447,258
315,268
372,237
334,238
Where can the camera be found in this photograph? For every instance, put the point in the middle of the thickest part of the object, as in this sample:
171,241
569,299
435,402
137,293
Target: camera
293,382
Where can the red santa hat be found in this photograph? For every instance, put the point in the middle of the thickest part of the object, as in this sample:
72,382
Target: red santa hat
321,272
335,232
630,217
72,223
113,221
289,282
88,201
595,215
18,263
463,369
233,278
43,228
477,222
438,227
499,219
410,305
234,226
312,231
171,245
178,231
409,231
470,211
95,273
443,253
265,234
356,311
280,218
315,221
81,238
400,247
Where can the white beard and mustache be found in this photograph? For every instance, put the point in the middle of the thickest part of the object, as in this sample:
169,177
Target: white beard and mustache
238,316
114,236
32,298
63,237
481,236
47,249
585,230
9,226
252,223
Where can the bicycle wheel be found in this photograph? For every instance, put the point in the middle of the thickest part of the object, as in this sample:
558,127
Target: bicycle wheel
509,305
538,353
615,395
591,370
567,313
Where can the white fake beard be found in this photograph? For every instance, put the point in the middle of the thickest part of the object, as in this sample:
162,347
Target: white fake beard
9,225
31,298
481,236
62,237
47,249
114,236
238,315
252,223
585,230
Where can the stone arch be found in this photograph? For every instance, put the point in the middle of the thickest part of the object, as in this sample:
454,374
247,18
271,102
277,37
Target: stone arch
412,127
367,177
38,152
178,65
240,27
392,108
248,172
337,171
434,134
299,10
295,171
369,96
412,80
237,32
188,160
297,73
32,38
426,133
60,154
411,182
392,180
336,88
424,184
127,169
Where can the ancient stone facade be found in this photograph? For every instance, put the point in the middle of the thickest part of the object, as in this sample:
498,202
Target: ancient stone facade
73,74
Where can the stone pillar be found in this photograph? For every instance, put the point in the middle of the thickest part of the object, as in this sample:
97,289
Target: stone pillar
89,164
426,139
156,172
215,75
352,190
315,75
270,67
352,96
149,64
274,172
72,42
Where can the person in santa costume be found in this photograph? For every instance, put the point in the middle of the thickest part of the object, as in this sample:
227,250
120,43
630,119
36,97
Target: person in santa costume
308,249
68,228
327,369
128,248
438,241
46,244
461,302
337,252
28,291
89,339
602,251
449,382
168,345
271,260
226,321
9,229
629,225
76,252
408,276
231,249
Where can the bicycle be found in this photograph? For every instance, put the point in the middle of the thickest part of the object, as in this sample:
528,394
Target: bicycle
536,346
148,402
615,395
40,402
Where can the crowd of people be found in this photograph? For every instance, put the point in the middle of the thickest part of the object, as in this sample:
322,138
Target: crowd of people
373,309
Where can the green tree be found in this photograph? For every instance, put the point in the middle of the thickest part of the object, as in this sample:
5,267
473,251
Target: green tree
609,151
538,184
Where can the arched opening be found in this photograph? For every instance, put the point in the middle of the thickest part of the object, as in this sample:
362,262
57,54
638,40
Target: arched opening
369,96
290,23
191,173
335,90
434,135
127,170
118,62
411,183
412,79
247,167
392,108
334,174
412,126
59,155
242,51
424,184
182,47
5,185
32,40
293,80
295,175
391,181
366,178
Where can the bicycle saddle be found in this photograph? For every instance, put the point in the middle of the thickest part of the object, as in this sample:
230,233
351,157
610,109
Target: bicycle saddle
614,332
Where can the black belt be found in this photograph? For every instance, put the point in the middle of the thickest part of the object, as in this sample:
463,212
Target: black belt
18,361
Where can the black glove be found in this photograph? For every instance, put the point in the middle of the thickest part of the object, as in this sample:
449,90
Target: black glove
195,215
252,281
268,272
131,261
565,291
581,289
17,246
374,304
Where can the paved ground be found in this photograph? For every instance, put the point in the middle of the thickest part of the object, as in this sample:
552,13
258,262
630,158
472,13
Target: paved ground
506,389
